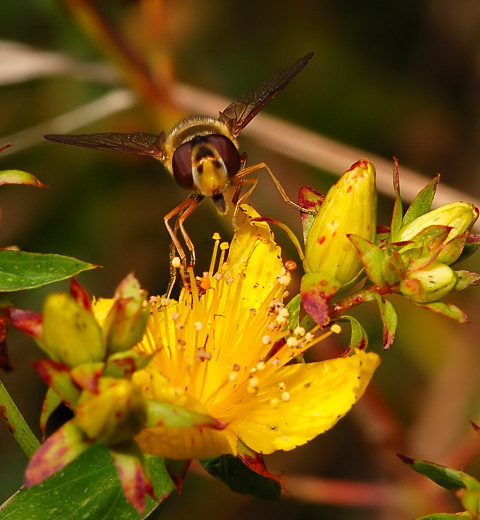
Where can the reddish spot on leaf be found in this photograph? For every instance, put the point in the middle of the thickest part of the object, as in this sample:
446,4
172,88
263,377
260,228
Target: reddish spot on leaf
4,414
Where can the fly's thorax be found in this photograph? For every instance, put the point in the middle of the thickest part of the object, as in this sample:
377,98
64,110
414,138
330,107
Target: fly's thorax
202,155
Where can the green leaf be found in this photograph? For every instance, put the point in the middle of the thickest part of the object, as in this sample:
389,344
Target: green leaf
293,307
447,516
241,479
397,207
89,487
389,319
20,270
422,203
445,477
358,337
19,177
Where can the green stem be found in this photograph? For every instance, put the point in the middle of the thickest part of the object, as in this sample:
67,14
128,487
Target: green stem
17,424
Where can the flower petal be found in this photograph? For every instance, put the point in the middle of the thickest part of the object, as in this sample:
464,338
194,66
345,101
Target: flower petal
301,401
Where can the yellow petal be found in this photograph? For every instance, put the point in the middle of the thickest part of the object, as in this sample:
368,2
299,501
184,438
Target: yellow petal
187,443
253,251
301,401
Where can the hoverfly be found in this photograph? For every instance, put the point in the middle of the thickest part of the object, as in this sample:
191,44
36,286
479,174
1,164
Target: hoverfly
201,152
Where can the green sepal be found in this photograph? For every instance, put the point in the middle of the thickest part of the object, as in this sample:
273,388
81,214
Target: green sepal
293,307
373,258
126,321
50,404
133,472
311,200
20,270
394,266
466,279
446,309
245,474
124,364
389,319
177,469
422,202
397,214
358,335
316,290
19,177
469,248
167,415
90,488
66,444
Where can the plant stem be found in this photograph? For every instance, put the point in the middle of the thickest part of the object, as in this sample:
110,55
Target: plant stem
17,424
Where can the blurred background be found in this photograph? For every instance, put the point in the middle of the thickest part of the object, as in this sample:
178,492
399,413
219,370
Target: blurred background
387,79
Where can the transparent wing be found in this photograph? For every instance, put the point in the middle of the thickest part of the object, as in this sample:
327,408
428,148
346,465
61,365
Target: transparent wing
239,113
135,143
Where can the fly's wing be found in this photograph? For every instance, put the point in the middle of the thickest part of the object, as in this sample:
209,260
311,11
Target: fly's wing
135,143
239,113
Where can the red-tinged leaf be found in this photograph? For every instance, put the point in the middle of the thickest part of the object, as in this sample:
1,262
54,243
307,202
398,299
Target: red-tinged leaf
373,258
124,364
28,322
133,473
310,200
389,319
466,279
169,415
86,376
358,337
317,290
50,404
5,147
255,462
57,376
60,449
89,487
19,177
476,427
423,201
177,469
80,295
242,479
446,309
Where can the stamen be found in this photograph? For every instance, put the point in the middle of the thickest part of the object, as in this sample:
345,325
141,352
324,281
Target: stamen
215,237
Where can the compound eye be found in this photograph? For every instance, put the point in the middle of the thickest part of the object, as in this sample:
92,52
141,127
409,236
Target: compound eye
182,165
227,151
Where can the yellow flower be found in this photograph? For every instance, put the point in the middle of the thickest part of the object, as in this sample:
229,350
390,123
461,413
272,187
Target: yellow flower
223,350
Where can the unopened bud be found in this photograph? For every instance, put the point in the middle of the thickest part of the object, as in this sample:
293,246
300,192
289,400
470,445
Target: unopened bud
349,208
460,216
428,284
71,334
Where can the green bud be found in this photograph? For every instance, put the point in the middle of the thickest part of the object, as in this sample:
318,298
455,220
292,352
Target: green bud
460,216
115,413
428,284
348,208
71,334
126,321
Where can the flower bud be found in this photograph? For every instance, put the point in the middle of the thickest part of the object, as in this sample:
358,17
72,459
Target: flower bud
428,284
348,208
460,216
71,334
115,413
126,321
